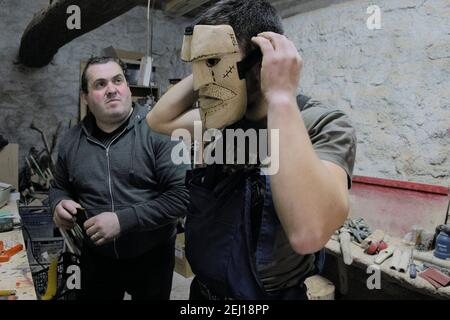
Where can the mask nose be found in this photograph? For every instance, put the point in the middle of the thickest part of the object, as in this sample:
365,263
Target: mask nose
202,74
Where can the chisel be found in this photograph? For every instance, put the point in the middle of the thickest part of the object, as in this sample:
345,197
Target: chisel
412,266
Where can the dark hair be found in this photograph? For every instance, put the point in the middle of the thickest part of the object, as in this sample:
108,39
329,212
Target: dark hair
246,17
99,60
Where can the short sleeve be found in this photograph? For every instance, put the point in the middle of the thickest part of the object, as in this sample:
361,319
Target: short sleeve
332,135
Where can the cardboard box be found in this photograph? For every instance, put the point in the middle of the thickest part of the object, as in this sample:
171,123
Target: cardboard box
9,165
182,266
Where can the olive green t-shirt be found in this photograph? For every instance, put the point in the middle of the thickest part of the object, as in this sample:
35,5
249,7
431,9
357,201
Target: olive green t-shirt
333,139
332,135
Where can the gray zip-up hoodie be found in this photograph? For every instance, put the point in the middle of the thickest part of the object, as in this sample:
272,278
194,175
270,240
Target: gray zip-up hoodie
132,176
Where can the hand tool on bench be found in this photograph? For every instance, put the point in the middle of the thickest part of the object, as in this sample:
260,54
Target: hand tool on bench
412,266
5,255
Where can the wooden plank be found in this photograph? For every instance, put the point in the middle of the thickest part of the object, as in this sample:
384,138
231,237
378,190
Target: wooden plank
396,206
181,7
9,165
405,185
47,31
362,260
83,106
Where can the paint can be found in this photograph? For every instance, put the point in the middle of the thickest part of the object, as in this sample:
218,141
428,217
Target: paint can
442,248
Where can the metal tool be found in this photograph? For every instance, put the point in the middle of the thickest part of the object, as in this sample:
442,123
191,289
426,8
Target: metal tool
412,266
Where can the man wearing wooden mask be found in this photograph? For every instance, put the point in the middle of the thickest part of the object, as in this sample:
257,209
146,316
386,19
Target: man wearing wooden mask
253,236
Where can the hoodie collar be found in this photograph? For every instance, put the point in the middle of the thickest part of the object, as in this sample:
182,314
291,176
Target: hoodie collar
139,113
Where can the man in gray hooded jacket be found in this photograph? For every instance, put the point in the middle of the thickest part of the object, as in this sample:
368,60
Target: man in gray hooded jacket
121,173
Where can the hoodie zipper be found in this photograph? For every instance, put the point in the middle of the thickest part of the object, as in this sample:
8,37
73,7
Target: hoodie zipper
109,177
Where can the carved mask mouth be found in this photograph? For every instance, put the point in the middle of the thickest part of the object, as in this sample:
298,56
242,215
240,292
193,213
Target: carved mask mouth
213,95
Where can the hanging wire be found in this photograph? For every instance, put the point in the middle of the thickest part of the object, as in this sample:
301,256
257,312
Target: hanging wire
148,29
151,29
150,9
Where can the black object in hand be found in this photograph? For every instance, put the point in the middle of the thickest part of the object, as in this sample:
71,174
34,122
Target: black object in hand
81,217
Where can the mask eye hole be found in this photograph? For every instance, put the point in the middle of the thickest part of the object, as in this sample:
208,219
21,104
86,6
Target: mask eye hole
212,62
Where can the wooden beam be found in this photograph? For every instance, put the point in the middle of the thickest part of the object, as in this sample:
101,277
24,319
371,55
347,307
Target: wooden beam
47,31
156,4
289,8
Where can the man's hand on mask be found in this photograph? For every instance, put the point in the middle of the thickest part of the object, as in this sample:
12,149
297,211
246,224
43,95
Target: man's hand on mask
281,67
102,228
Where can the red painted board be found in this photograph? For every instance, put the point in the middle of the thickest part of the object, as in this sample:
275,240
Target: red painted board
396,206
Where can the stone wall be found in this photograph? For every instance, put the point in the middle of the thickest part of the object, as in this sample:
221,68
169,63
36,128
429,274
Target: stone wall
50,94
394,83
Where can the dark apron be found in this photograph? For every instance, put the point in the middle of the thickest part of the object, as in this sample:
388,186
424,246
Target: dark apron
219,239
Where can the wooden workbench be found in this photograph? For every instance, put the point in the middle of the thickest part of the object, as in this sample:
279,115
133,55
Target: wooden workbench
362,261
16,273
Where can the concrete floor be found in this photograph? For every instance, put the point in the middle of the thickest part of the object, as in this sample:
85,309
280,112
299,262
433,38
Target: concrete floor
319,288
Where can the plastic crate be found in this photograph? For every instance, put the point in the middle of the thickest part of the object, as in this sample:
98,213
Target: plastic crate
38,221
37,246
40,278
